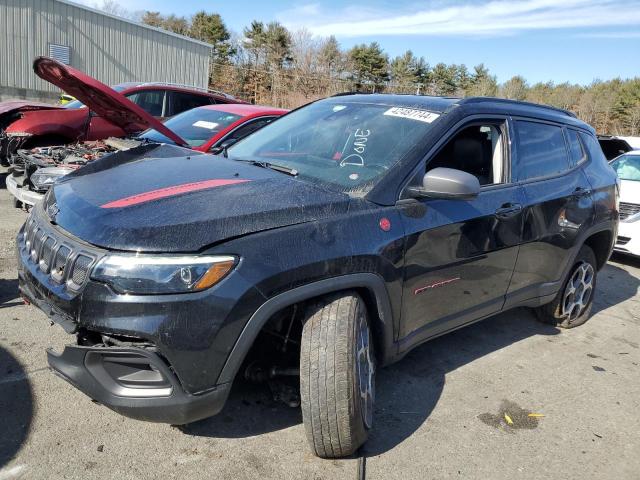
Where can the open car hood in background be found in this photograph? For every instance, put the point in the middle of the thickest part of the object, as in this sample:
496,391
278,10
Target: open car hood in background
25,105
100,98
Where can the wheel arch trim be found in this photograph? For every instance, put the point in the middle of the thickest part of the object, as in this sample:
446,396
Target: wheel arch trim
372,282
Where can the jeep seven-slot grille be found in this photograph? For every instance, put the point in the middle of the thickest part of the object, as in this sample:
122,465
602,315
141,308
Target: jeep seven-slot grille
55,256
628,209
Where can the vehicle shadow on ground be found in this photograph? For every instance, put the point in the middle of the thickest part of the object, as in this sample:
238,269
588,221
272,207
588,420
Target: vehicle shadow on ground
9,293
16,406
407,392
615,284
3,178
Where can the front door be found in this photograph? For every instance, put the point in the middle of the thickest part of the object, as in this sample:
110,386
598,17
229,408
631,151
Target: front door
460,254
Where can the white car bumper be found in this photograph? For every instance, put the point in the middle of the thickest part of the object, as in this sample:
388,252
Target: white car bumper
23,195
628,238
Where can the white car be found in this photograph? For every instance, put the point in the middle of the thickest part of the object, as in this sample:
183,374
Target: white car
627,166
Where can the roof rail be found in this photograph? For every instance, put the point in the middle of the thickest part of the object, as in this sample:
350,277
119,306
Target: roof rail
342,94
516,102
192,87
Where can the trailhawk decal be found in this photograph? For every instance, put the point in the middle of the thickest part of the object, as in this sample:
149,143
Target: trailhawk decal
169,192
441,283
412,114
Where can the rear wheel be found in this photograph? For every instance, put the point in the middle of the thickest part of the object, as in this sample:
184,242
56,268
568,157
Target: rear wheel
572,306
337,376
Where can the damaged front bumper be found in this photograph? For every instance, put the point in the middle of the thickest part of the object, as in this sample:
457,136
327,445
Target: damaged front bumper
22,193
134,382
154,357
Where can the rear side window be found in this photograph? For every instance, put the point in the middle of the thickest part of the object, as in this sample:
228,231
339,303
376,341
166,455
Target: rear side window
181,102
593,148
152,101
541,150
576,151
249,128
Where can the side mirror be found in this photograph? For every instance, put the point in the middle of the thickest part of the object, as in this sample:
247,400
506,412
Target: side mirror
221,147
447,183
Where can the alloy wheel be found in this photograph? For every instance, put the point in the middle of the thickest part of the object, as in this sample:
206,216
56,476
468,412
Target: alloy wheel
578,291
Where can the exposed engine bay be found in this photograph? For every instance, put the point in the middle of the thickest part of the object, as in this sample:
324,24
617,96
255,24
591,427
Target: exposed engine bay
37,168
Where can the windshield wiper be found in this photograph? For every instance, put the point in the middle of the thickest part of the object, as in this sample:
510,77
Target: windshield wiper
278,168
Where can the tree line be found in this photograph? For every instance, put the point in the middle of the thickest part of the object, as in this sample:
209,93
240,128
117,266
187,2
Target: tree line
269,64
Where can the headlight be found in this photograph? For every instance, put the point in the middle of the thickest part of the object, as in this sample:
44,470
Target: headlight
154,274
43,178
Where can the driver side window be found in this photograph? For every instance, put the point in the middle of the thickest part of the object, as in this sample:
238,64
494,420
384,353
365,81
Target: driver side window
477,149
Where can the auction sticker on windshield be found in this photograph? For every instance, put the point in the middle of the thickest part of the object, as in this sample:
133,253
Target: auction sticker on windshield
413,114
205,124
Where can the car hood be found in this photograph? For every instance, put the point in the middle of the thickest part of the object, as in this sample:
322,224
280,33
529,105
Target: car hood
171,203
106,102
22,106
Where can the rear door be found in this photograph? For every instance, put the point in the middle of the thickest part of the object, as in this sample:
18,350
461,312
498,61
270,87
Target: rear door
460,254
558,205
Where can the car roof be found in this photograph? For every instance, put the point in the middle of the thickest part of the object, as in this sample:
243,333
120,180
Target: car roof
128,86
245,110
482,104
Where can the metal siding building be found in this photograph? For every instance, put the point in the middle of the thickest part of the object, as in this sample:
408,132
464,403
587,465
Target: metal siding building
107,47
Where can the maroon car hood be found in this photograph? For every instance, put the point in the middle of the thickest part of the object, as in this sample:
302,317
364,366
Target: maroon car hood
23,105
100,98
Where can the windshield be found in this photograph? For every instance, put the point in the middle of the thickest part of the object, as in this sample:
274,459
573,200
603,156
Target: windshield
348,146
627,167
195,126
74,104
79,104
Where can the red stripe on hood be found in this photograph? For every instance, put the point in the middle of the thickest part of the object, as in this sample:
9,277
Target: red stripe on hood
169,192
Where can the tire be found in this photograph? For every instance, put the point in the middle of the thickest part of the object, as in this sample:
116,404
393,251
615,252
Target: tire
565,311
337,375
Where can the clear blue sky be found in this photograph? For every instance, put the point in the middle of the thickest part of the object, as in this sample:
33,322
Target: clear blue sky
559,40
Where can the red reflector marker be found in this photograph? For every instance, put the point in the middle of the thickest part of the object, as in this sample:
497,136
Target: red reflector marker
385,224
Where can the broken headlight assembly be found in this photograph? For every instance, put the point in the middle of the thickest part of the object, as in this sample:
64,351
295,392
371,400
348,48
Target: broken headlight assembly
43,178
158,274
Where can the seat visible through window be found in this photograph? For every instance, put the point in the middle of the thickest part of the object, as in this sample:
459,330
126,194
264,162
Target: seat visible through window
476,150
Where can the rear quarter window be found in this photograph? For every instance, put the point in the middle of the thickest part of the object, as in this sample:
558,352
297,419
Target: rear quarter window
593,148
578,155
542,150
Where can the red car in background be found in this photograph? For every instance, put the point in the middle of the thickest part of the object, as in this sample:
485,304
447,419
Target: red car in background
211,128
26,124
204,129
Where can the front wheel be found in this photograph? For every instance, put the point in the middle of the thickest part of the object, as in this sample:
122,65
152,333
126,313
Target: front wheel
337,375
572,306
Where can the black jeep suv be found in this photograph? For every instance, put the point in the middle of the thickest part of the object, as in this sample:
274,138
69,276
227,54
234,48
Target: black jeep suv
321,247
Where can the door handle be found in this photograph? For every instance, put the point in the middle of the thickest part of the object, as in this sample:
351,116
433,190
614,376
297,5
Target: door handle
581,192
508,210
